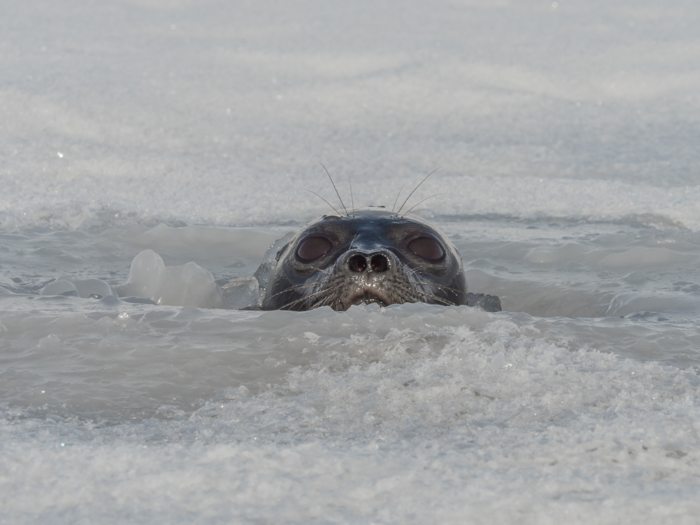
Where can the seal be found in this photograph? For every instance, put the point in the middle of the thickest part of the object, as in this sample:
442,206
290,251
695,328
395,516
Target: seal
370,257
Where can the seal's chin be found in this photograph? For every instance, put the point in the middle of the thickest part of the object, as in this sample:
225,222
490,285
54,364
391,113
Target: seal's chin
365,295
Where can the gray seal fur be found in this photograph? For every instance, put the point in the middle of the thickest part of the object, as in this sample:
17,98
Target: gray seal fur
371,256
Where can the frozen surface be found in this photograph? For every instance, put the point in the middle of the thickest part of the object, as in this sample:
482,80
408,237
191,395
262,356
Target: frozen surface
186,285
152,151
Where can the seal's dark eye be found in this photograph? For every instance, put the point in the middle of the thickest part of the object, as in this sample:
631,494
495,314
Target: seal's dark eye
313,248
426,248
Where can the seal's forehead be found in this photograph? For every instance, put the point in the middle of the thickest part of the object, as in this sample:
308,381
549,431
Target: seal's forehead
372,213
369,220
364,213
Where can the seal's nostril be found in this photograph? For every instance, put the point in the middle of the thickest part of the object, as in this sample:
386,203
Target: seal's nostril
379,263
357,263
376,263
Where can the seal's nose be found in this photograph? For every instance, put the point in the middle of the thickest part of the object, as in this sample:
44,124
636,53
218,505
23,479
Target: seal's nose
375,262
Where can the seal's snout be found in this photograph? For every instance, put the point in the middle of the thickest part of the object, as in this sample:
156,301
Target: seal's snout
374,262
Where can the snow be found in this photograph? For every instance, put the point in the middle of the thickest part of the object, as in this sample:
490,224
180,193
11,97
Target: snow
159,150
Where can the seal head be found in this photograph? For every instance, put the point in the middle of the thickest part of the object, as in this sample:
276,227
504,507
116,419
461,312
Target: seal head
372,256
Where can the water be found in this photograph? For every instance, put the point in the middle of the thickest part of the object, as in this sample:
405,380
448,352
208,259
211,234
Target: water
139,132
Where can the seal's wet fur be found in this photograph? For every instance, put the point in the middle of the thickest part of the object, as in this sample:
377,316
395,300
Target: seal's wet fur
371,256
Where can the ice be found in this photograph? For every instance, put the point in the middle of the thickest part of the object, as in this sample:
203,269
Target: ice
66,285
409,421
174,285
642,258
241,292
162,149
628,303
146,276
233,245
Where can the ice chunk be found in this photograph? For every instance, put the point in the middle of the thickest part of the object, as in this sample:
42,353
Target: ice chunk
94,288
60,286
86,288
146,276
187,285
241,292
190,285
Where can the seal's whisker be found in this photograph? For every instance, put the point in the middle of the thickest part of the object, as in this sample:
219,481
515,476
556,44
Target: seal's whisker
414,190
444,288
420,202
323,301
397,197
352,198
307,297
318,302
428,283
353,240
336,189
438,299
295,287
301,299
410,296
324,200
413,273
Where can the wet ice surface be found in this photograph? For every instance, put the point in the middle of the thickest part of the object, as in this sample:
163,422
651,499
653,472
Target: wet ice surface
151,152
583,393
